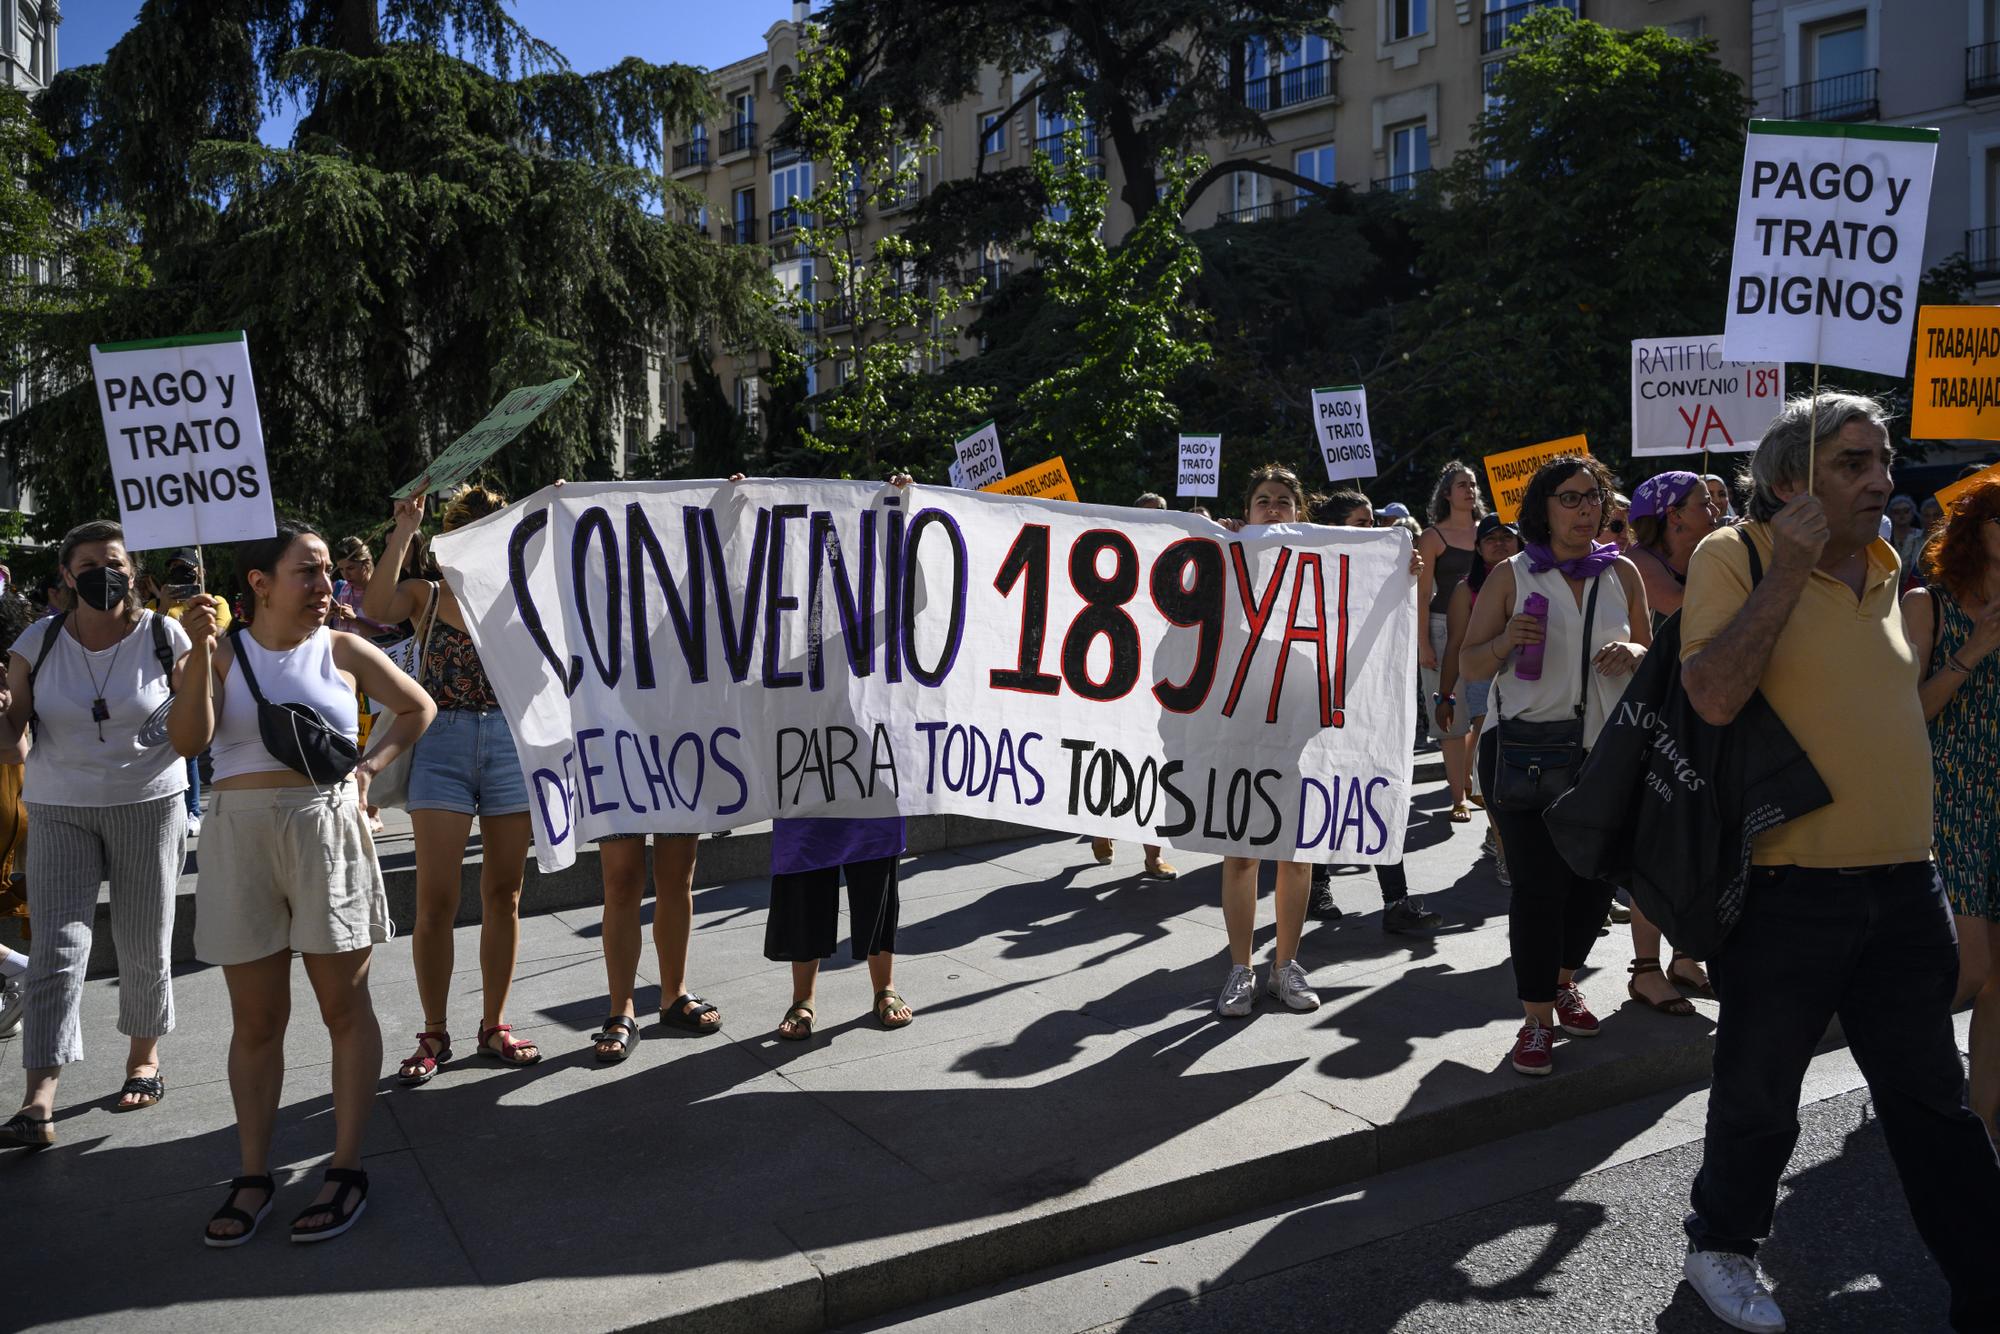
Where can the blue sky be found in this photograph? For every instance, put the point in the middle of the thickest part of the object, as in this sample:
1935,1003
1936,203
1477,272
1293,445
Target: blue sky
591,34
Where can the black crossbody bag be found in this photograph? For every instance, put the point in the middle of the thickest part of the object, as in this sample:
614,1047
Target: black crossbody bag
297,735
1537,762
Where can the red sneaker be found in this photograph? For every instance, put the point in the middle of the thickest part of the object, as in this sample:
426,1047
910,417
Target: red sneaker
1572,1015
1532,1054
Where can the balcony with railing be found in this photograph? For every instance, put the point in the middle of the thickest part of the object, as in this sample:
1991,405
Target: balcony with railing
1053,145
985,276
784,219
1982,251
738,138
1290,87
1402,183
1498,34
784,155
1842,97
840,314
1982,70
691,156
740,231
1261,211
892,200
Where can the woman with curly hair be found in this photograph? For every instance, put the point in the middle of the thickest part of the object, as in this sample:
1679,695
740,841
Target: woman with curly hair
1447,548
1954,628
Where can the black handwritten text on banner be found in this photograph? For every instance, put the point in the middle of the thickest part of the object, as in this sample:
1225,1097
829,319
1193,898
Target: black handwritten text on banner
684,657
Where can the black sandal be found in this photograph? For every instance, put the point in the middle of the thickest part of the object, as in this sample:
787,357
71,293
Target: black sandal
30,1132
800,1017
1679,1007
229,1213
151,1087
685,1014
351,1181
1703,989
622,1029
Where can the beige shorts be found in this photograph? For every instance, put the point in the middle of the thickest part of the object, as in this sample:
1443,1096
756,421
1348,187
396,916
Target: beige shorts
286,868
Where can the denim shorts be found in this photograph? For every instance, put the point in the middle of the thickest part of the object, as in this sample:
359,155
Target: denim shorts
466,763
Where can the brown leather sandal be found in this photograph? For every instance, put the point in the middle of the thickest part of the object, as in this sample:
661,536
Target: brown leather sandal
800,1020
1679,1007
1702,988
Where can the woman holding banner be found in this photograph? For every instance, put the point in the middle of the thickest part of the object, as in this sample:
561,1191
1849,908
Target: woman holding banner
288,864
465,765
1578,610
1954,626
1447,548
1274,496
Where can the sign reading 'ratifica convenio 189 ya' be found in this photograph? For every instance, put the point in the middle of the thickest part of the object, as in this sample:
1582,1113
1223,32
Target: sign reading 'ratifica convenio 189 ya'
684,657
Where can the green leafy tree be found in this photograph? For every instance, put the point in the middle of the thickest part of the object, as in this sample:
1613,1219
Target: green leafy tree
459,213
1596,205
1157,78
886,292
1110,410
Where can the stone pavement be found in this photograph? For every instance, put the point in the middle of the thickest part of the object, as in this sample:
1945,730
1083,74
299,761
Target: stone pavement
1066,1089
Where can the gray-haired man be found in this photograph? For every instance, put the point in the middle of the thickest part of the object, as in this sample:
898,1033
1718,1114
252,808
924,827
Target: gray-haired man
1844,915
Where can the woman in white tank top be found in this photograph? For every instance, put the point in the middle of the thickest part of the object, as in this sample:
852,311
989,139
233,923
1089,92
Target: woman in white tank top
1555,914
286,861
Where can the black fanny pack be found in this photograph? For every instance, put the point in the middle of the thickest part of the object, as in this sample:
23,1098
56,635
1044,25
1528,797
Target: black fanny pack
1536,762
297,736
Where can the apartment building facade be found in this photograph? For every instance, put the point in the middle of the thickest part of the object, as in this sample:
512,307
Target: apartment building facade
27,63
1398,101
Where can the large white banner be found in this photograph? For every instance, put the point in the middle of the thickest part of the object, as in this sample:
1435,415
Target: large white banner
1829,244
186,444
1686,399
685,657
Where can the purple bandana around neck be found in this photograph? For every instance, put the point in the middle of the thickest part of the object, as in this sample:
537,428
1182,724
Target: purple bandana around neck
1541,560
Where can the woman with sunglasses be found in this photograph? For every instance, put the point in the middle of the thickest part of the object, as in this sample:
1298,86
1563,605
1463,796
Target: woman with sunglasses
1589,590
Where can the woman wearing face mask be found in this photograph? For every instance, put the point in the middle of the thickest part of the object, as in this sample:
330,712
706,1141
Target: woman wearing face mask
288,864
1274,496
104,793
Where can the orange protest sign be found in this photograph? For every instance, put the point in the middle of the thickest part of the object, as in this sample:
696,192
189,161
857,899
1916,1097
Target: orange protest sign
1509,473
1045,481
1948,496
1957,380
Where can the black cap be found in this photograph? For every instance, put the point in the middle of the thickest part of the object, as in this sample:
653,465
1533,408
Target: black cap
1492,524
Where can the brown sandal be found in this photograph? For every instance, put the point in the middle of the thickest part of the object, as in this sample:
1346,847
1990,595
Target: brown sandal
1703,988
887,1002
1679,1007
800,1017
509,1052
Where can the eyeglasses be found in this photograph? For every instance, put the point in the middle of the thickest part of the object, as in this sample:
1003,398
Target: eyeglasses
1570,500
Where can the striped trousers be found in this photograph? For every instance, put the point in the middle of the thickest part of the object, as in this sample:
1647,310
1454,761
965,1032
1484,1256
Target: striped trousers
139,848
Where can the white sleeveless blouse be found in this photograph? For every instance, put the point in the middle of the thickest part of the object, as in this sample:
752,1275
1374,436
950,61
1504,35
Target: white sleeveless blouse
1553,698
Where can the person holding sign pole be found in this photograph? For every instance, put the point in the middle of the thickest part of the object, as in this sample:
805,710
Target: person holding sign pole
1274,496
1843,913
1954,626
288,864
1557,629
1157,866
103,791
1446,546
1671,514
464,766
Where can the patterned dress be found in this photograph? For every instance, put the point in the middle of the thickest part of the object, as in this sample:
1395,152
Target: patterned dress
1965,748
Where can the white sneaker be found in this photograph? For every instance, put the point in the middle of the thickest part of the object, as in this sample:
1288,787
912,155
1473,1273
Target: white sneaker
1288,984
194,826
1239,993
1733,1288
13,1003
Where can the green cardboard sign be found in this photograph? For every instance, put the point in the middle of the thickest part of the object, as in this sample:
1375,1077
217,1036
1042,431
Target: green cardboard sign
464,456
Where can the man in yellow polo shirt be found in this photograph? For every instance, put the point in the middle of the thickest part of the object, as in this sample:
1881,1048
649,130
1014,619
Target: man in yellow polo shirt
1843,913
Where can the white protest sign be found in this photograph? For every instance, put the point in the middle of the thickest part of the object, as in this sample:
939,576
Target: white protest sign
1829,244
957,475
1340,430
1201,465
186,444
677,657
1686,399
979,457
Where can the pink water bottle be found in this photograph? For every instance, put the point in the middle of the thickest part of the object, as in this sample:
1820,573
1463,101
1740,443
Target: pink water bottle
1528,657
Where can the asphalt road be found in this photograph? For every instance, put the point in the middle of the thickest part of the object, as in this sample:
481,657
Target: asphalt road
1601,1252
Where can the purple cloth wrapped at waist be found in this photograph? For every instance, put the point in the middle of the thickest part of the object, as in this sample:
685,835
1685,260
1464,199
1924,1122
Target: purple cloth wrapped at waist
809,845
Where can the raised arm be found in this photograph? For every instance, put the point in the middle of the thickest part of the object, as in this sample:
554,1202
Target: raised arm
1721,677
1920,623
191,717
388,600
